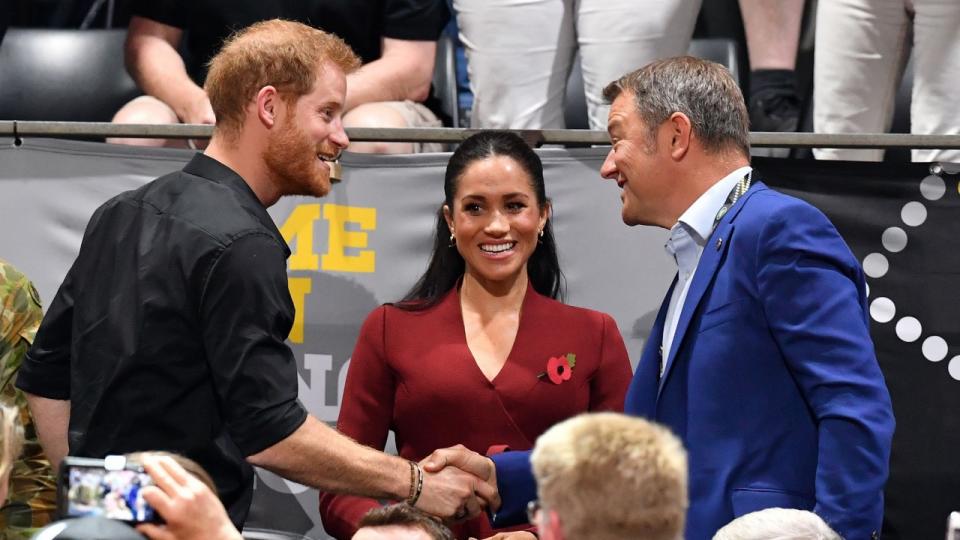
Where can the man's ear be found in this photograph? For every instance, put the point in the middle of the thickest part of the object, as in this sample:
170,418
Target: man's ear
268,106
554,526
681,130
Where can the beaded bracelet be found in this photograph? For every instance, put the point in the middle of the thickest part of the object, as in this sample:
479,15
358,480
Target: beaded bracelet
416,483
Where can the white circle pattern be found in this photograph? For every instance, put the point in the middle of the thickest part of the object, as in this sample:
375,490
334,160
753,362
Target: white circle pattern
876,265
914,214
954,367
909,329
933,187
894,239
883,310
934,348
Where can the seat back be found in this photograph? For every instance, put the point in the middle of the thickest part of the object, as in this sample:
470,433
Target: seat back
445,78
723,51
575,101
720,50
63,75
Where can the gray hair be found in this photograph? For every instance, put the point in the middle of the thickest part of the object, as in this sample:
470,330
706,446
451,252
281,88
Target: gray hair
777,524
702,90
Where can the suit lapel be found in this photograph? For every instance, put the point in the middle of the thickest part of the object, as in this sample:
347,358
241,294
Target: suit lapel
713,254
642,395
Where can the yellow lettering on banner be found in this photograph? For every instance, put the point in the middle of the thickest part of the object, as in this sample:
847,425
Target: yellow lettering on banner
299,226
340,238
299,289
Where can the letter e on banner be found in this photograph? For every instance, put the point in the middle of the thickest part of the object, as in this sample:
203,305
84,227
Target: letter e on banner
340,239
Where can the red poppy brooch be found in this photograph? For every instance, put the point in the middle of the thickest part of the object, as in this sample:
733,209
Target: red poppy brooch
559,368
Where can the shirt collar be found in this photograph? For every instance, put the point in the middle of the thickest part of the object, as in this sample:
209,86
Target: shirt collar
699,218
208,168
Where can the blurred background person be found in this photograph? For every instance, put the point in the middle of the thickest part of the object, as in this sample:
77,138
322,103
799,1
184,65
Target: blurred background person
777,524
862,47
520,52
772,28
395,39
11,443
400,522
32,500
608,476
481,346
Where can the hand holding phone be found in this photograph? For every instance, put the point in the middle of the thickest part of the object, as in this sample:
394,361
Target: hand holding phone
191,511
110,488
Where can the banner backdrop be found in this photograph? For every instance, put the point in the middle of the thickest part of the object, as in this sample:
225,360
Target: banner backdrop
368,241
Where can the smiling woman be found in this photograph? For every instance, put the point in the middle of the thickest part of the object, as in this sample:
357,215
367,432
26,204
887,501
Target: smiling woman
467,356
493,180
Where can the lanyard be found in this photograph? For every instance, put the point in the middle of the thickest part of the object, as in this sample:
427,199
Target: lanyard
738,190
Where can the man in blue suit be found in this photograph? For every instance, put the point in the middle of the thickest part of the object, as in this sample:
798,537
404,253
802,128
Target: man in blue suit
760,358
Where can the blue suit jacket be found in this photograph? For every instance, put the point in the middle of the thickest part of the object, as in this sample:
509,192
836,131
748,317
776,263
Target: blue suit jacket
772,382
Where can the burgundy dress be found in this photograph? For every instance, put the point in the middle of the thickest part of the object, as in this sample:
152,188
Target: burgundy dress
412,372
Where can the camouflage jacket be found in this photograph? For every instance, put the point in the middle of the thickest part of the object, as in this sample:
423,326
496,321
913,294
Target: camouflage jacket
32,499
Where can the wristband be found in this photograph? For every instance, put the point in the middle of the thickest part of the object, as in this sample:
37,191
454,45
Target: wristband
416,484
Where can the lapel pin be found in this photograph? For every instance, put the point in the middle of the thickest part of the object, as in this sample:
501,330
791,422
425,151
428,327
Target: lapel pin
719,243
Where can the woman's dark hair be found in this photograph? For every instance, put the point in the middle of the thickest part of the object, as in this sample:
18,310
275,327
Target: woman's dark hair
446,264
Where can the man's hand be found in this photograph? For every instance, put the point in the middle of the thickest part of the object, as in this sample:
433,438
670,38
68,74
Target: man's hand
470,462
196,110
452,494
190,509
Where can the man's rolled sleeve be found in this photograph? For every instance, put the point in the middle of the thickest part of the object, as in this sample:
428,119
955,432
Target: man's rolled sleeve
246,314
415,20
169,12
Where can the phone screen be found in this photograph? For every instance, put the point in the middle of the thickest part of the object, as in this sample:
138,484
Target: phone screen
114,494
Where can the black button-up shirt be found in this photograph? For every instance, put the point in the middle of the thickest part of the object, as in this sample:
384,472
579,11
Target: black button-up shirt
169,331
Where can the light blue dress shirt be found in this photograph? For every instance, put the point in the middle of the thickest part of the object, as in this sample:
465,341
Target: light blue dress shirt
687,239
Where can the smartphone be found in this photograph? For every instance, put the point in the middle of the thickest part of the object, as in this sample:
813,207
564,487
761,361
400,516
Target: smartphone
110,488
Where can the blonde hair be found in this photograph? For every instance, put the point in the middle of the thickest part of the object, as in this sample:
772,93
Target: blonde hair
11,438
609,476
285,54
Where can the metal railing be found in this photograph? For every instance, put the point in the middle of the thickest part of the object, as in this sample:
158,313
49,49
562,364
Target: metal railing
538,137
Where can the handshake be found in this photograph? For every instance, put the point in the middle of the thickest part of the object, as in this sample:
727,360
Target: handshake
458,484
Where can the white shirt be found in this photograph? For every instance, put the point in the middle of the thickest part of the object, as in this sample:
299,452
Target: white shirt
687,239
